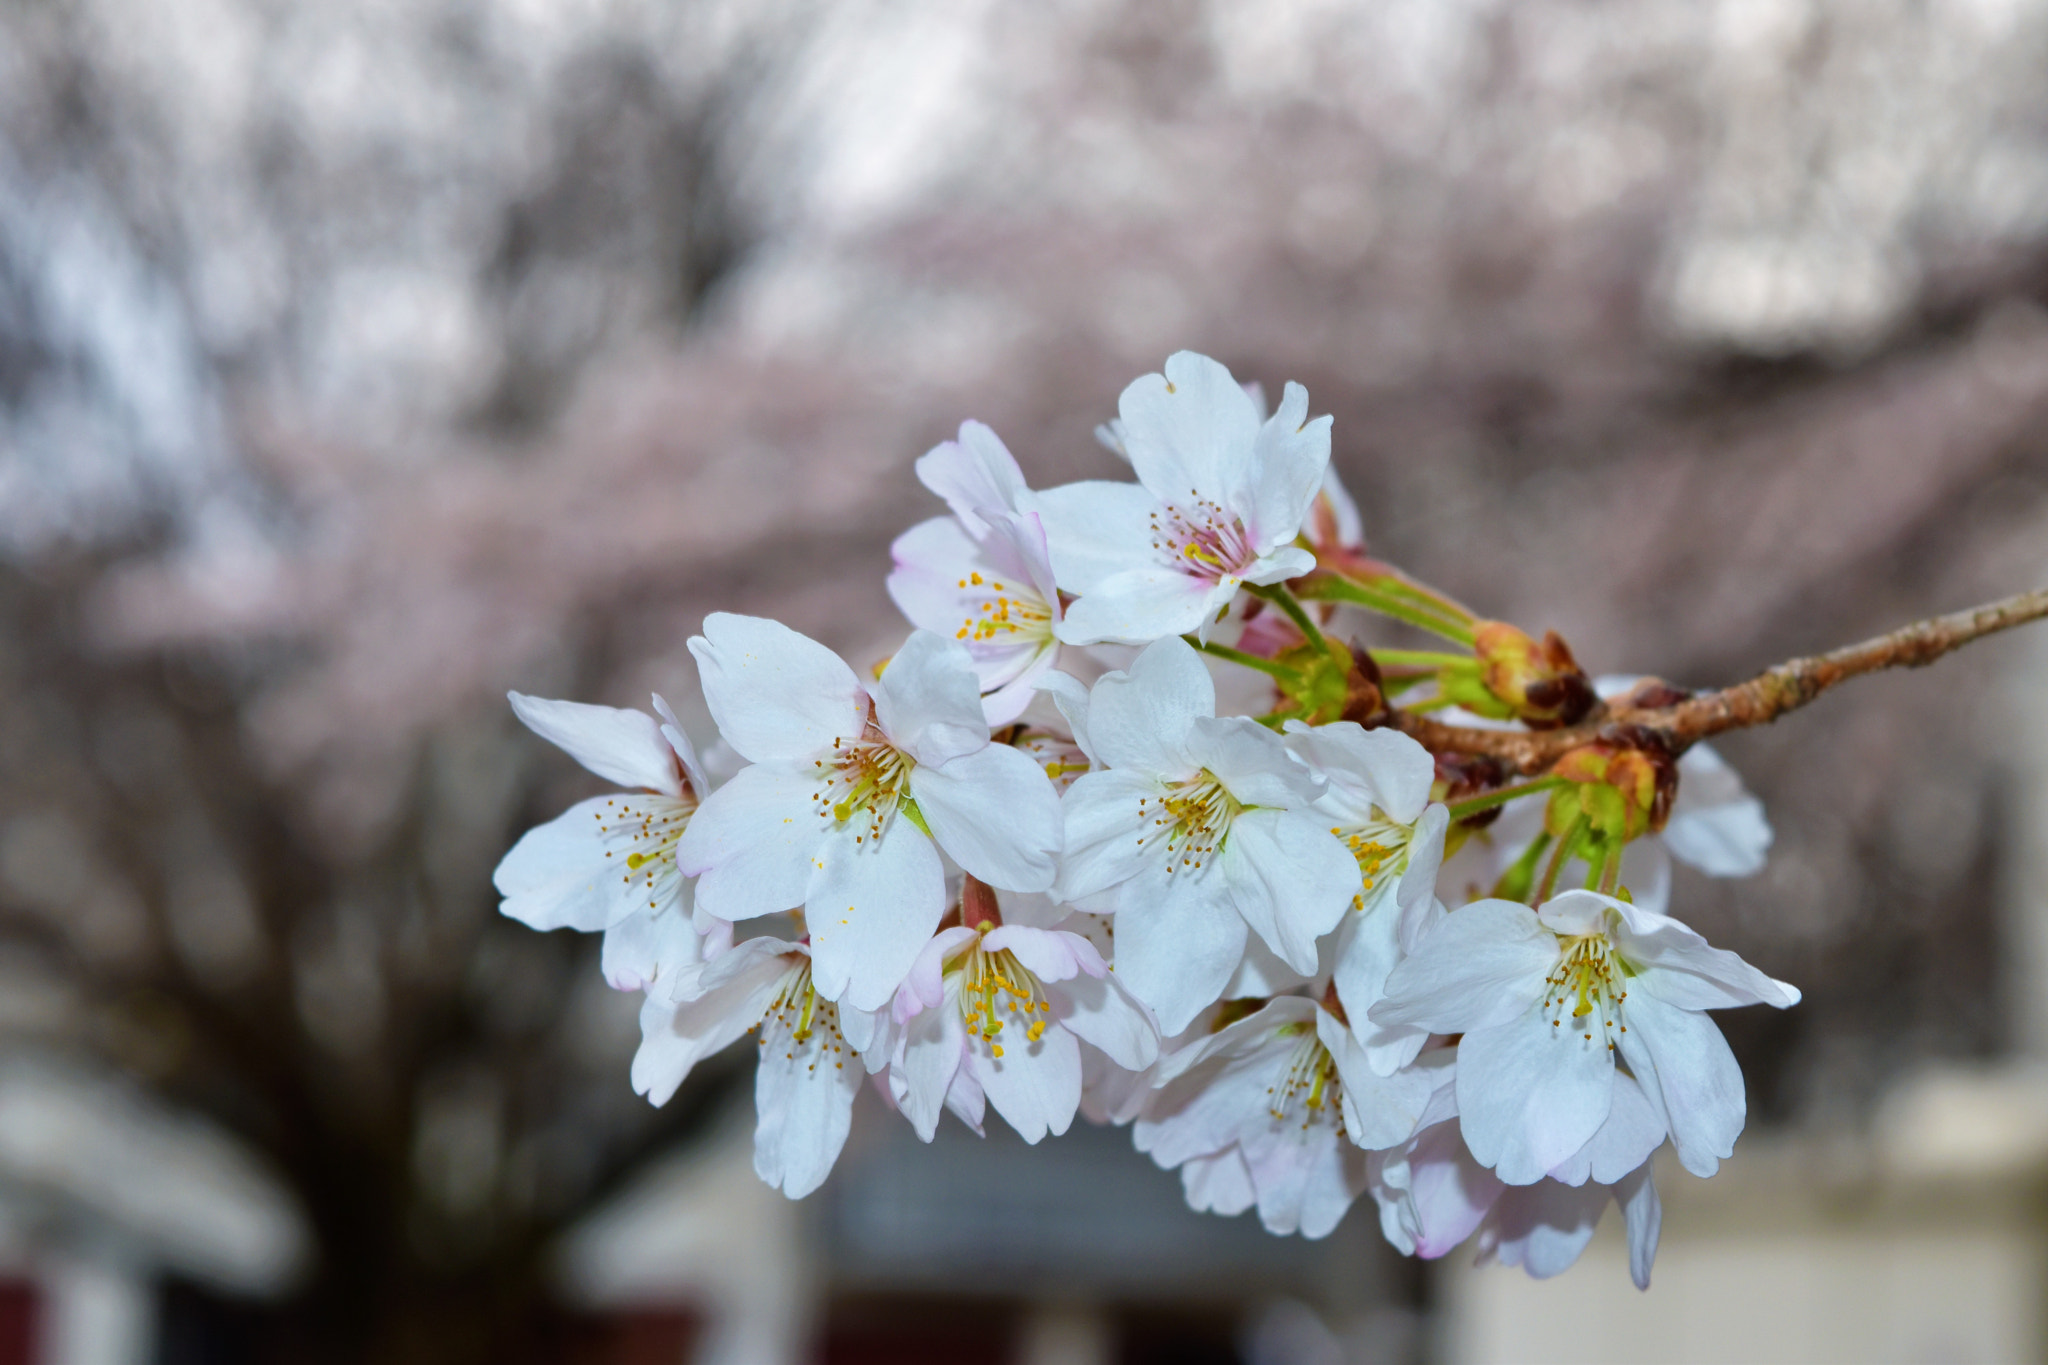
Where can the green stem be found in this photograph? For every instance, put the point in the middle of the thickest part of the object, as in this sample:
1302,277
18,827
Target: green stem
1562,855
1610,875
1514,883
1278,595
1472,805
1238,656
1339,589
1422,658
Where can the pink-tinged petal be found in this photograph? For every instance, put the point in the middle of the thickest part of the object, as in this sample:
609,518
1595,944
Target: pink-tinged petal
1683,1062
975,475
650,944
774,693
1306,1176
803,1103
1530,1095
685,752
928,700
1291,455
1015,693
931,559
1484,965
1634,1129
1643,1212
1140,718
1289,878
1452,1192
1379,1111
1178,939
618,745
1190,432
1366,768
1047,955
934,1044
1221,1183
1138,606
1716,825
995,812
725,999
1095,531
872,907
752,845
557,875
1019,539
1102,1013
1251,761
1544,1227
1104,827
1035,1086
924,987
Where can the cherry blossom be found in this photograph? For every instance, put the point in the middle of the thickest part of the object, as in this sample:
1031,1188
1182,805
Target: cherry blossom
1546,999
1200,827
1219,500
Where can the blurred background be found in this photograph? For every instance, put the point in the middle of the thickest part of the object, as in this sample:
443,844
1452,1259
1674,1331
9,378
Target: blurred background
359,361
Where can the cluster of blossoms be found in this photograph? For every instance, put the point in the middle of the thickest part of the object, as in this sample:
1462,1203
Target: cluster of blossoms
1127,828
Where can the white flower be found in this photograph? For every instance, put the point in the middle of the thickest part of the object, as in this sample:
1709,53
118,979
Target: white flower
1219,501
1545,999
1003,1011
1200,826
849,788
808,1073
1286,1089
1378,803
608,864
982,576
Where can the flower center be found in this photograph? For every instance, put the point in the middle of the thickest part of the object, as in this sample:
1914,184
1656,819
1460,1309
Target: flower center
867,778
801,1026
1192,819
1307,1091
1201,539
996,988
645,830
1061,757
1380,847
1007,614
1586,987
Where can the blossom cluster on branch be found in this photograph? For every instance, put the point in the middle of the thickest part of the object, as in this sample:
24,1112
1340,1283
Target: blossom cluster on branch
1129,827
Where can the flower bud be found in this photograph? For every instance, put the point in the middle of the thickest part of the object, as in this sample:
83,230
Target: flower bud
1541,682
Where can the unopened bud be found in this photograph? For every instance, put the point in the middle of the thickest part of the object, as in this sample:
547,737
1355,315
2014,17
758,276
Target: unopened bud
1621,789
1540,681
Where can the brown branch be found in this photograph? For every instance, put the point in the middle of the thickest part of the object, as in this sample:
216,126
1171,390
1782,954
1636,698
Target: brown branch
1761,700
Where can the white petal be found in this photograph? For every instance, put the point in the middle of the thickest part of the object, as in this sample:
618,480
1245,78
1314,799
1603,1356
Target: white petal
871,908
1451,1192
753,843
933,1046
1221,1183
1716,825
1190,432
1261,974
804,1109
1046,954
725,999
620,746
1483,965
1035,1086
1177,941
1070,695
1013,697
1636,1192
557,875
775,693
975,475
1365,951
1251,761
686,752
1681,1058
649,945
1366,768
1096,530
1104,1014
1289,878
1103,827
1292,455
928,700
1140,718
1379,1111
1681,968
1543,1228
931,558
1634,1129
1530,1094
1137,606
996,814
